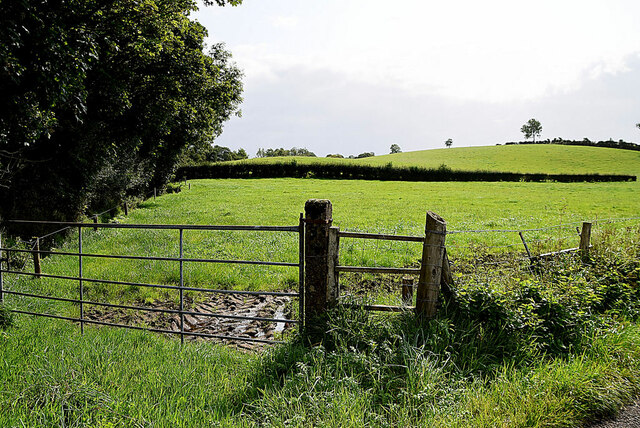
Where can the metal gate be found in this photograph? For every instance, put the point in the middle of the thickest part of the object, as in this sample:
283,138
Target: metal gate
180,288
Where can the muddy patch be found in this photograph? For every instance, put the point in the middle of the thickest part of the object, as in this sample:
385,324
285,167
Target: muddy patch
210,318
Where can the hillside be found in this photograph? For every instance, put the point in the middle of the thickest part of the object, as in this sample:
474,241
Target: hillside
550,159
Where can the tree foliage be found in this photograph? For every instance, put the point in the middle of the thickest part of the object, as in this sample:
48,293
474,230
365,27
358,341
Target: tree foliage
395,149
195,156
531,129
365,155
100,99
294,151
448,143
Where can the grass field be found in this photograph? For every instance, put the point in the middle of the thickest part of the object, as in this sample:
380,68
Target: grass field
520,349
541,158
385,207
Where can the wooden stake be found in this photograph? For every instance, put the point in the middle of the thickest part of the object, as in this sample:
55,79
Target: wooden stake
95,221
585,240
431,266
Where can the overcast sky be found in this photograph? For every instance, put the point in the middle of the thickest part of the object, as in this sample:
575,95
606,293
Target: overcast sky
349,76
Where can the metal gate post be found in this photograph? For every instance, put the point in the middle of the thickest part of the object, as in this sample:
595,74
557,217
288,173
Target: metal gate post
301,288
80,282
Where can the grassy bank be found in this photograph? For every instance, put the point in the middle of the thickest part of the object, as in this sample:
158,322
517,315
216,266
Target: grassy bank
549,159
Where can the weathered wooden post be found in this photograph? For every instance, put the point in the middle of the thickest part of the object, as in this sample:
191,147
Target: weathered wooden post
154,193
431,266
407,291
126,208
585,239
321,258
36,258
95,221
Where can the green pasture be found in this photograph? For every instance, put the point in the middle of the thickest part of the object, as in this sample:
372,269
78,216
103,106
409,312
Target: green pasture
369,206
540,158
521,348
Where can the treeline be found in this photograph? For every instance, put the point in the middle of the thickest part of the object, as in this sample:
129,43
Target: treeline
194,155
360,156
294,151
620,144
368,172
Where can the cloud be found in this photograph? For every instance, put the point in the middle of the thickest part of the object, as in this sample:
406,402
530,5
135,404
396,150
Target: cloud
285,22
490,51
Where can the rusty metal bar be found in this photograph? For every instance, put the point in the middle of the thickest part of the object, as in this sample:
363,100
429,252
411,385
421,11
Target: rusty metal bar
163,226
526,247
363,269
361,235
164,259
168,287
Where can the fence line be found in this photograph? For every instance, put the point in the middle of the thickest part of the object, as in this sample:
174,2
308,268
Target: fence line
318,264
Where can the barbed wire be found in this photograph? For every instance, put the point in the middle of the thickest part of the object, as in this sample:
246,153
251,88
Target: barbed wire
596,221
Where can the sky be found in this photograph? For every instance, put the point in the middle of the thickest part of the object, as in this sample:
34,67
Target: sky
353,76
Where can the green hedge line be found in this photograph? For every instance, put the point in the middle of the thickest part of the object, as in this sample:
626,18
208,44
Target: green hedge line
368,172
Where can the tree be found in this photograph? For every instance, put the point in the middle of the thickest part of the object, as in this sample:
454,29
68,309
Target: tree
395,149
365,155
532,128
638,125
101,98
448,143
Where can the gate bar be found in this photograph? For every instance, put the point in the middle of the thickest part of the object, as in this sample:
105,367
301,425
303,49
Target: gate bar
142,308
168,287
155,258
80,282
154,330
162,226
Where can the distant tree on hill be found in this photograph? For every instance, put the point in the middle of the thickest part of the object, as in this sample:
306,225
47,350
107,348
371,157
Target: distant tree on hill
335,155
448,143
365,155
395,149
638,125
532,128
